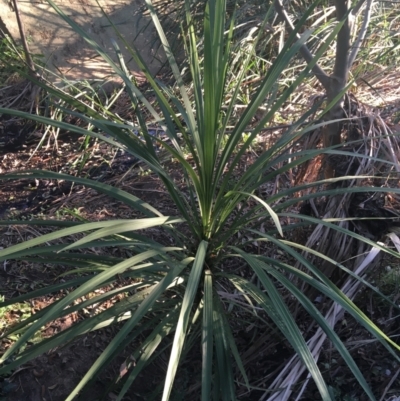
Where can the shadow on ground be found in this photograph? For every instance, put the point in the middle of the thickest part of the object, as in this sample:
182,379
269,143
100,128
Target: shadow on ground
66,53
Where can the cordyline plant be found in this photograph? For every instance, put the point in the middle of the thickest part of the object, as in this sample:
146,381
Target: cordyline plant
175,288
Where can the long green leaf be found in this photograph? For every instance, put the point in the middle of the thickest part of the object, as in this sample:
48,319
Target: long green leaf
224,377
330,332
207,338
288,324
54,312
334,293
186,309
122,227
138,223
109,190
117,313
148,347
140,312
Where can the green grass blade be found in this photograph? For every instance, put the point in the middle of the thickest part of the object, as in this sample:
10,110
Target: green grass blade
129,85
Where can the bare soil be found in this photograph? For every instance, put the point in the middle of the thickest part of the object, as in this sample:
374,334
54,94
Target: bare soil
65,51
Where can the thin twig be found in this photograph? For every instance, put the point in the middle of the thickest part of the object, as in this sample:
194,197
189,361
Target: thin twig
387,388
363,31
321,75
357,7
21,28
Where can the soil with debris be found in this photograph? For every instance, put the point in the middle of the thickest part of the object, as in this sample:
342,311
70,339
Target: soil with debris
54,375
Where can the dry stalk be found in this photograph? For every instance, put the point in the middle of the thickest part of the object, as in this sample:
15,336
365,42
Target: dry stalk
294,369
28,57
378,143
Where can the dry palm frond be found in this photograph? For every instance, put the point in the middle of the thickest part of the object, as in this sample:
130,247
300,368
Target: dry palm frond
294,369
378,87
378,143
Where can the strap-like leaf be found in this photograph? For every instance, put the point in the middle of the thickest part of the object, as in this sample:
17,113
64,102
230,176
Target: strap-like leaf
148,347
286,323
186,309
225,384
109,190
207,338
129,325
54,312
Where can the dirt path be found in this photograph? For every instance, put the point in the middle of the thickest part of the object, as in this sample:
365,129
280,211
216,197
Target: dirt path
64,51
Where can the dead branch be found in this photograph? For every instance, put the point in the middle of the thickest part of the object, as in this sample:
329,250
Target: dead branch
335,84
363,31
321,75
21,28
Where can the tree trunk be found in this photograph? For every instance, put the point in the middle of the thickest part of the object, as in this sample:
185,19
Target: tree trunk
335,84
331,133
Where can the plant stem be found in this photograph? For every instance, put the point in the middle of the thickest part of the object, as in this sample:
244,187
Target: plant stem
28,57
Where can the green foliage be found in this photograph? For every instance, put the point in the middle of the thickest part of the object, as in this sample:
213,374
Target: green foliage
15,312
175,288
10,60
12,64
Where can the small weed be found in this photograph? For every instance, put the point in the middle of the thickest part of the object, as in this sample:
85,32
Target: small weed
12,314
11,62
390,281
75,212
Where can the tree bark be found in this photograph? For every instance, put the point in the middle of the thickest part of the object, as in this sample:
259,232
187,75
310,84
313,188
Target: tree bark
334,84
338,80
